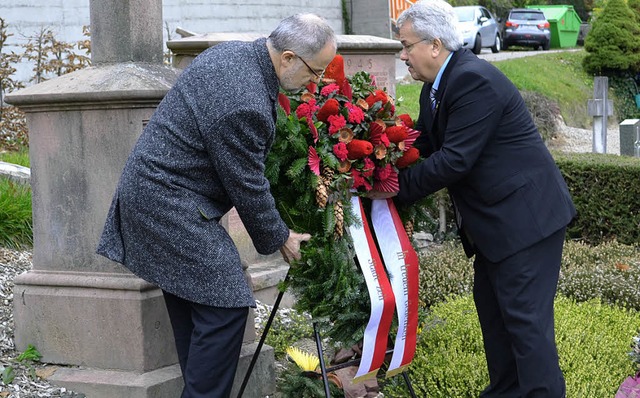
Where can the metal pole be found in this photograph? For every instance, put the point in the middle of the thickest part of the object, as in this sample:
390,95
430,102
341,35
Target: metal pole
323,368
263,337
409,386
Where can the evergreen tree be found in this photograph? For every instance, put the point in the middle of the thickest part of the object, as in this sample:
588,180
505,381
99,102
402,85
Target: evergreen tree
613,44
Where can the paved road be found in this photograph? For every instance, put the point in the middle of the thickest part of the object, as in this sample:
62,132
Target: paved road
401,68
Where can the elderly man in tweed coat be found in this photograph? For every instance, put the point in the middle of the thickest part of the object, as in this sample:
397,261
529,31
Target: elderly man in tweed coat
201,154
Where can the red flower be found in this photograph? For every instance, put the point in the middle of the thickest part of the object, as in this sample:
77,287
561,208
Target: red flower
408,158
329,89
335,69
376,96
397,134
340,150
359,149
406,119
346,90
382,173
307,109
336,122
376,129
369,166
314,161
312,87
359,180
331,107
284,102
355,114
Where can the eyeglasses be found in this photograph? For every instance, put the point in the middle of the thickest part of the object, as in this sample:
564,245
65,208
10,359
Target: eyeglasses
319,76
408,47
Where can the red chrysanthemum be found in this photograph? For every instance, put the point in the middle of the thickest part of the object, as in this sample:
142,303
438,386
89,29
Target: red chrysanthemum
359,149
340,150
331,107
409,157
356,115
329,89
307,109
336,122
396,134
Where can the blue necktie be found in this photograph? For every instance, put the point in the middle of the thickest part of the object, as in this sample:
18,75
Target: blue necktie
432,98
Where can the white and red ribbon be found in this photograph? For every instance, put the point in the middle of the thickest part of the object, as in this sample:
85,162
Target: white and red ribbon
380,293
401,262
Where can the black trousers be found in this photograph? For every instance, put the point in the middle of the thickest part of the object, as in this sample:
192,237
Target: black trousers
514,300
208,341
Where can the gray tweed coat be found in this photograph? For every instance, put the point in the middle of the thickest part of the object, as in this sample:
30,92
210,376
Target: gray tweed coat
202,152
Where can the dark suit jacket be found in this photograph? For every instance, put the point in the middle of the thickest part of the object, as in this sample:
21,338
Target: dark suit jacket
202,152
483,146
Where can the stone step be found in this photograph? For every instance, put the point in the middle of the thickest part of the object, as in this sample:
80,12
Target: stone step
265,277
15,172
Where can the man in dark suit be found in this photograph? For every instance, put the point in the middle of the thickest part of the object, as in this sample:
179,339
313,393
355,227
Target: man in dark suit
201,154
511,202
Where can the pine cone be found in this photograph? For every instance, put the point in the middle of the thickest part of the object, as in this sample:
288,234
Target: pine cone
321,194
408,227
338,211
327,175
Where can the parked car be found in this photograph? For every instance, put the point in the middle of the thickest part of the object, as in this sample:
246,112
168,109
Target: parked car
526,27
479,28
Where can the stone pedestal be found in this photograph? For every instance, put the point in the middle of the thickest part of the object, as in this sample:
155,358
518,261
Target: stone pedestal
628,136
76,307
375,55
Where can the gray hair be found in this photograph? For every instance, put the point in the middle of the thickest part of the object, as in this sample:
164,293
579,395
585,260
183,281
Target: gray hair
305,34
433,19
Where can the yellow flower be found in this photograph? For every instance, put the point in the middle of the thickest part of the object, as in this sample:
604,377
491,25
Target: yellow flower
305,361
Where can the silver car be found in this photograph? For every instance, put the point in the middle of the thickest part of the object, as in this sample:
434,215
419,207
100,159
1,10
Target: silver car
479,28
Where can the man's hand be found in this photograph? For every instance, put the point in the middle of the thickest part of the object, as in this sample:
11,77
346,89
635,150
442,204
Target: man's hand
291,249
373,194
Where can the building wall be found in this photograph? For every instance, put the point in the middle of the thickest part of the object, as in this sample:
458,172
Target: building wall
370,17
25,18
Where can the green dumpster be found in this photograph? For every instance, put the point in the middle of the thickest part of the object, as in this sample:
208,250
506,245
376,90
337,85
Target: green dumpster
565,24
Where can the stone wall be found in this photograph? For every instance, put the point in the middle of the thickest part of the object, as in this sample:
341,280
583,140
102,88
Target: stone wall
66,18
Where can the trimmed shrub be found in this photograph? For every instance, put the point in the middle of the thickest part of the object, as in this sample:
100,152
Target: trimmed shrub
444,271
613,44
609,272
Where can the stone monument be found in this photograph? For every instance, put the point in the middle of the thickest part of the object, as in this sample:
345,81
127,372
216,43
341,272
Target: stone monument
74,306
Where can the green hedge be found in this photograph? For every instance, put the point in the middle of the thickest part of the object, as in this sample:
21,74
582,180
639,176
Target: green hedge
609,272
605,190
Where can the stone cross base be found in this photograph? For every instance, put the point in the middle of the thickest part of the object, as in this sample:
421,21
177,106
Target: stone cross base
116,330
166,382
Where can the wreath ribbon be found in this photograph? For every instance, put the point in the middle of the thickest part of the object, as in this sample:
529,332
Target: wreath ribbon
376,333
401,262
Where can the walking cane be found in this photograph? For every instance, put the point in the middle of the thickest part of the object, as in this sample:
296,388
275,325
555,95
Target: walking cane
267,326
